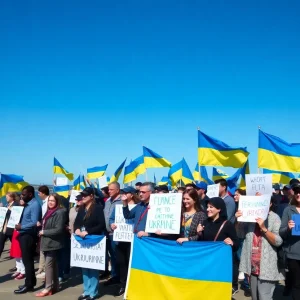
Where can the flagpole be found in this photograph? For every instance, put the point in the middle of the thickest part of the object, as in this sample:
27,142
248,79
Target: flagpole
198,129
258,169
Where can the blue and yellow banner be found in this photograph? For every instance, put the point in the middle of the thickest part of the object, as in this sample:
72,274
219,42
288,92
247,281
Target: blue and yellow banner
218,174
164,181
11,183
96,172
79,183
135,168
59,169
118,172
279,177
162,269
62,190
154,160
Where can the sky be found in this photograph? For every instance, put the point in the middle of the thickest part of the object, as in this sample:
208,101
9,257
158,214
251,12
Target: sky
92,82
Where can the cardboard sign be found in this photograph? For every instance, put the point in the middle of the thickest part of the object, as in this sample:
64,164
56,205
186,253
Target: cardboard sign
102,181
296,229
73,196
61,181
254,207
124,230
164,213
15,216
3,211
213,190
258,183
88,252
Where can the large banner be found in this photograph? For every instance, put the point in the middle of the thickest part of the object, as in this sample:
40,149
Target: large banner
88,252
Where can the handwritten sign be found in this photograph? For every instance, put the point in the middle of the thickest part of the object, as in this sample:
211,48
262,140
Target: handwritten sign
254,207
213,190
61,181
124,230
102,181
88,252
15,216
3,211
258,183
296,229
73,196
164,213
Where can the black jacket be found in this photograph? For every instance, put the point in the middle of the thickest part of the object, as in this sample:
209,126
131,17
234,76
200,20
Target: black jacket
94,224
54,231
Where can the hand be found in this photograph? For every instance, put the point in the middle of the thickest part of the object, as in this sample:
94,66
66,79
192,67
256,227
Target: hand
84,234
228,241
238,214
41,233
18,227
258,194
158,232
113,226
200,228
181,240
140,234
38,224
78,232
261,223
291,224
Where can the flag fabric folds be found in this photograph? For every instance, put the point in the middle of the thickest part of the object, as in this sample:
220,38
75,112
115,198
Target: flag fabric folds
11,183
180,171
276,154
159,267
279,177
196,173
62,190
218,174
96,172
204,176
79,183
118,172
135,168
164,181
213,152
59,169
154,160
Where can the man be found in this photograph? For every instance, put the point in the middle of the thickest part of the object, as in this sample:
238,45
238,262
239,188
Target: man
43,193
162,189
201,188
229,201
114,198
190,186
137,186
31,215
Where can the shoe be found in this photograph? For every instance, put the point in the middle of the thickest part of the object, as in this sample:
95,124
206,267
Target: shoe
90,298
16,274
21,286
82,297
12,270
44,294
104,275
111,281
120,292
234,291
241,276
20,277
41,275
24,290
247,293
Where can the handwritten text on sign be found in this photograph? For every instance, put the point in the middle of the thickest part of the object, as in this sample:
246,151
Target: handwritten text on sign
164,213
124,230
213,190
15,216
258,183
86,254
254,207
3,211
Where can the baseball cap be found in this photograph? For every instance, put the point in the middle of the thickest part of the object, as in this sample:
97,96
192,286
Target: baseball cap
201,185
88,191
293,181
78,197
130,190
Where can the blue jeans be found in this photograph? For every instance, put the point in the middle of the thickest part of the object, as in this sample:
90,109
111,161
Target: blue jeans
112,250
90,282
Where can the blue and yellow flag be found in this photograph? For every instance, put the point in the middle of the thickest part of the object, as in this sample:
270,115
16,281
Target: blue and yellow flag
213,152
164,181
276,154
79,183
196,173
59,169
280,177
62,190
154,160
218,174
96,172
159,270
204,176
135,168
11,183
245,170
118,172
187,176
175,173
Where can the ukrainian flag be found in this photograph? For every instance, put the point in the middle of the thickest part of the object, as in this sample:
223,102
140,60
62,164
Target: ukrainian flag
118,172
96,172
159,270
218,174
164,181
154,160
175,173
245,170
129,173
212,152
276,154
279,177
59,169
187,176
79,183
11,183
62,190
196,173
204,176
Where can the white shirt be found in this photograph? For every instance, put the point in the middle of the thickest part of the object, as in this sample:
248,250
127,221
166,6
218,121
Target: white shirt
44,206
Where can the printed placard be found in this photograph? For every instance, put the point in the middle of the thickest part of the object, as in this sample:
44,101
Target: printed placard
102,181
164,213
73,196
15,216
254,207
61,181
296,229
89,252
3,211
259,183
124,230
213,190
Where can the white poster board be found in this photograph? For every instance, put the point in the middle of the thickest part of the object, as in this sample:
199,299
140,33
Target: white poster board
254,207
3,211
61,181
102,181
73,196
213,190
85,254
164,213
124,230
259,183
15,216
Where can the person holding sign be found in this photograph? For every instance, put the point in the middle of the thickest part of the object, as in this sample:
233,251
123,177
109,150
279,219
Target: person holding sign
89,221
192,216
290,232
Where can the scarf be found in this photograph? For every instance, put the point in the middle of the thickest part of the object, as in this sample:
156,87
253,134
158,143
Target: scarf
48,214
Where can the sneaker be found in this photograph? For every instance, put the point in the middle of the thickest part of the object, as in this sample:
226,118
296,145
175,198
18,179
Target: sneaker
16,274
41,275
120,292
234,291
111,281
241,276
247,293
20,277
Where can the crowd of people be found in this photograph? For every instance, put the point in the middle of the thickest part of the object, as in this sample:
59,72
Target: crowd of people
263,253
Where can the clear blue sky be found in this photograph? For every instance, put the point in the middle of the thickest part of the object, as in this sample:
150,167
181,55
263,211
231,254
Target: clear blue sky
92,81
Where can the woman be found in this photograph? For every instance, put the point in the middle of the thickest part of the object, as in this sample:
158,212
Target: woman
89,220
292,242
52,240
73,212
259,254
192,216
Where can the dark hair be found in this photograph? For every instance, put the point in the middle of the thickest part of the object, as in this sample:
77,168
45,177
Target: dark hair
181,188
150,185
241,192
136,199
29,189
15,196
190,185
90,209
222,182
44,189
105,190
194,195
57,198
274,203
138,183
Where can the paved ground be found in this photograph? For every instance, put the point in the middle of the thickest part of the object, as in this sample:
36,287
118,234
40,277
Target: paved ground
73,288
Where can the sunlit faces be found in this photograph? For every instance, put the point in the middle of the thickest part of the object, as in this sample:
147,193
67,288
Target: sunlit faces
113,190
144,193
212,212
9,198
87,198
52,203
188,202
222,190
237,196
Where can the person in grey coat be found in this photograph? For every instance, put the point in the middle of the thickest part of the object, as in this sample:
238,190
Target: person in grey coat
259,255
52,240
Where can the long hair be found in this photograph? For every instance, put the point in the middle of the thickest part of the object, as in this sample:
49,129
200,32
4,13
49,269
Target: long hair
90,209
194,195
14,196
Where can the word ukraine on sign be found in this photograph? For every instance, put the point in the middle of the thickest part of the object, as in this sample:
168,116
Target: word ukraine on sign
164,213
88,252
124,230
259,183
254,207
213,190
15,216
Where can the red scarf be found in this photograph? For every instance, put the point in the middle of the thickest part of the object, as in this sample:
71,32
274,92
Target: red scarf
48,214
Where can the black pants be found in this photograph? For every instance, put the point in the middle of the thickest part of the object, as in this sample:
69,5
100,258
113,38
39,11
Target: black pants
235,271
123,255
3,239
28,245
294,269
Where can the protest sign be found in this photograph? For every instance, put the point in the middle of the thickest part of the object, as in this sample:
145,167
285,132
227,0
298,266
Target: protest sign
254,207
296,229
164,213
258,183
61,181
213,190
124,230
15,216
3,211
89,252
73,196
102,181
